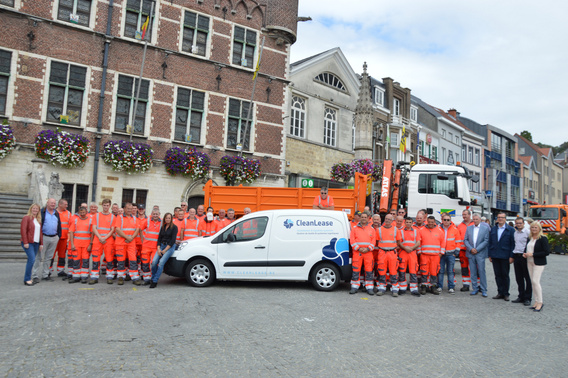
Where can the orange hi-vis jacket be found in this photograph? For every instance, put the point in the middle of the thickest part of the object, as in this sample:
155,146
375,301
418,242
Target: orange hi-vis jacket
222,223
408,238
386,238
104,223
452,236
140,222
462,228
201,217
151,232
65,217
191,228
210,228
325,202
363,237
81,230
433,240
127,224
180,224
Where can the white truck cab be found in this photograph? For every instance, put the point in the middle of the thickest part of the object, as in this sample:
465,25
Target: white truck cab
438,189
293,244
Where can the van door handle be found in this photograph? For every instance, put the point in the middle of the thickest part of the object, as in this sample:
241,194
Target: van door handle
259,247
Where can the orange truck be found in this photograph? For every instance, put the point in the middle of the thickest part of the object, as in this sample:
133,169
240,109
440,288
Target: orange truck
553,218
269,198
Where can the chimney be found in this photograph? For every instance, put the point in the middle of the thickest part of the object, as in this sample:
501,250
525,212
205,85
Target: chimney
454,113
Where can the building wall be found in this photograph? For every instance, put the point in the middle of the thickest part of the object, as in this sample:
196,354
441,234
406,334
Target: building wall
61,41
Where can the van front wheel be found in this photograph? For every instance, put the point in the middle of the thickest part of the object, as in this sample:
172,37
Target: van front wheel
200,273
325,277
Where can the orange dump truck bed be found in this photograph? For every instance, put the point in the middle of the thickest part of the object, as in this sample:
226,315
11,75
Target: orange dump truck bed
268,198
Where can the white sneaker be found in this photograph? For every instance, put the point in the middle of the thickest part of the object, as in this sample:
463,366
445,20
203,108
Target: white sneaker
451,291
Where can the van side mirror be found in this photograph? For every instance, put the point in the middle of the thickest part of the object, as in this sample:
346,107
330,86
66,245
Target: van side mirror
463,203
429,210
230,237
475,178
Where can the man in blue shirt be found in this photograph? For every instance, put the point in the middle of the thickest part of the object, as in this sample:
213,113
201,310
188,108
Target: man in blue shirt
51,229
501,246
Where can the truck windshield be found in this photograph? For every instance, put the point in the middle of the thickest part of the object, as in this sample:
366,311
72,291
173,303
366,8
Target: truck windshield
429,183
544,213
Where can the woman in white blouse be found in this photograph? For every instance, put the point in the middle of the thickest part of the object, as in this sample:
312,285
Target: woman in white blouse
536,251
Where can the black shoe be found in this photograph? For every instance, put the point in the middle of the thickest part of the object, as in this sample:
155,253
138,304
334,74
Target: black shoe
84,280
71,280
370,292
121,281
154,284
146,283
498,296
29,283
35,280
423,289
415,293
401,292
538,309
127,278
93,281
48,279
527,303
62,275
110,281
518,300
465,288
352,291
137,282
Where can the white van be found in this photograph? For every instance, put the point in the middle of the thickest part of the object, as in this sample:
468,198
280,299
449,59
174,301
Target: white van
292,245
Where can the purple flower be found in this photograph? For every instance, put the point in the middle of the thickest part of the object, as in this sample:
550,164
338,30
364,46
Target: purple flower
128,156
189,163
60,147
249,169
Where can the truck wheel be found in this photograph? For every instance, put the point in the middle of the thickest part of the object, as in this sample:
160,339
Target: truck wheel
200,273
325,277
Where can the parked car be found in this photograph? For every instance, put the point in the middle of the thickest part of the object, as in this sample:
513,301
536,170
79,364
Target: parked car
291,245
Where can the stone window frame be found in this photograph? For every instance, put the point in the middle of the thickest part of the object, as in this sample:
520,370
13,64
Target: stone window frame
330,126
244,42
240,118
49,84
5,73
331,80
196,28
142,13
75,7
191,109
132,98
298,116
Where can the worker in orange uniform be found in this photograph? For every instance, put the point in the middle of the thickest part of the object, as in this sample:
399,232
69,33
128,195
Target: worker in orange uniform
201,213
376,223
387,261
140,219
179,221
93,210
432,245
79,240
323,201
356,219
103,242
448,259
61,249
419,224
209,225
222,220
184,208
192,228
363,242
250,227
408,241
126,229
464,261
231,215
151,230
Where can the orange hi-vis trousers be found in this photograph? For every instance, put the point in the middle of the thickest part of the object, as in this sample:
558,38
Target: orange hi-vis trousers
146,259
358,260
429,266
408,261
97,252
387,263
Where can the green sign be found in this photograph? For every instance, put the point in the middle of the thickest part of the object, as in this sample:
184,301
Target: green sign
307,183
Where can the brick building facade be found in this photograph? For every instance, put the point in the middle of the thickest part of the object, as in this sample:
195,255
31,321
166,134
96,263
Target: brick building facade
196,86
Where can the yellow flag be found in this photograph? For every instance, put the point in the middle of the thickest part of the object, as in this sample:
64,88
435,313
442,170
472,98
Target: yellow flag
403,140
257,66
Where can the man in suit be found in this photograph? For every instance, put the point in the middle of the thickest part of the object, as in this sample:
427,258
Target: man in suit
501,246
476,248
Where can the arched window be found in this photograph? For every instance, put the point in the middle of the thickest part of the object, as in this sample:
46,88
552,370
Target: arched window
330,79
329,126
298,116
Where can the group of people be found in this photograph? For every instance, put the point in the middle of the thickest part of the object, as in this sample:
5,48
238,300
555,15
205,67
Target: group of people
124,243
427,252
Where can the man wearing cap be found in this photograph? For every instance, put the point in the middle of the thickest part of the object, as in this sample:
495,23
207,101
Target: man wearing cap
323,201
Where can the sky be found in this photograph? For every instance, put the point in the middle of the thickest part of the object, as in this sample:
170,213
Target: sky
503,63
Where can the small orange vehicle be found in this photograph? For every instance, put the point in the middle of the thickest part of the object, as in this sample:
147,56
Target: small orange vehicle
553,218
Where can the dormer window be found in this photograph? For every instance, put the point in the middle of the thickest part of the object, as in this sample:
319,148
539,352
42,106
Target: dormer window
379,96
414,113
330,79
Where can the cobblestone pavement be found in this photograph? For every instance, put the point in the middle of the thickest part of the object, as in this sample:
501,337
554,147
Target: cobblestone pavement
275,329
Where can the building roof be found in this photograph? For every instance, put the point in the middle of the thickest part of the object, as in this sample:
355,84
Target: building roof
448,117
294,64
536,148
526,160
475,127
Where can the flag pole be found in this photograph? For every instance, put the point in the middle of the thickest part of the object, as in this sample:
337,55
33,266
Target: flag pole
251,100
132,114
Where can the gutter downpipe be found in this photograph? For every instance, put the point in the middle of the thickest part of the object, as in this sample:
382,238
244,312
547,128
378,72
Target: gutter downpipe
102,101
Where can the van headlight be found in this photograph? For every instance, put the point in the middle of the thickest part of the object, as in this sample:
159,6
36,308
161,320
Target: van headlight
182,245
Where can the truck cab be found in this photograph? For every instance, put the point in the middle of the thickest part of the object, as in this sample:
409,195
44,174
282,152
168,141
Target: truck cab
553,218
439,189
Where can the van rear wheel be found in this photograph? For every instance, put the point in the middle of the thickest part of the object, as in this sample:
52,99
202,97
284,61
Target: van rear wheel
325,277
200,273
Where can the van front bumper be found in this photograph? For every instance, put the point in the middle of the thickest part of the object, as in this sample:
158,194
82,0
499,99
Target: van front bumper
346,272
174,267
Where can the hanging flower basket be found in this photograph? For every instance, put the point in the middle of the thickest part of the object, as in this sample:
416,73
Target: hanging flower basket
341,172
63,148
128,156
7,140
187,163
377,173
239,170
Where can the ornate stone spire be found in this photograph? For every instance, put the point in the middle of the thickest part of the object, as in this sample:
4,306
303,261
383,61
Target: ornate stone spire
364,119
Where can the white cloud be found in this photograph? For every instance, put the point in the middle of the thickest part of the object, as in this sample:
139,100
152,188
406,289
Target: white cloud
500,62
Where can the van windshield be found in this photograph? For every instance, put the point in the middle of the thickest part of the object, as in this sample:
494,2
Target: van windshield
544,213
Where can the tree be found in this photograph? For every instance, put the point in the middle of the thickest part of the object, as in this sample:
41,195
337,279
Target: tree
527,135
